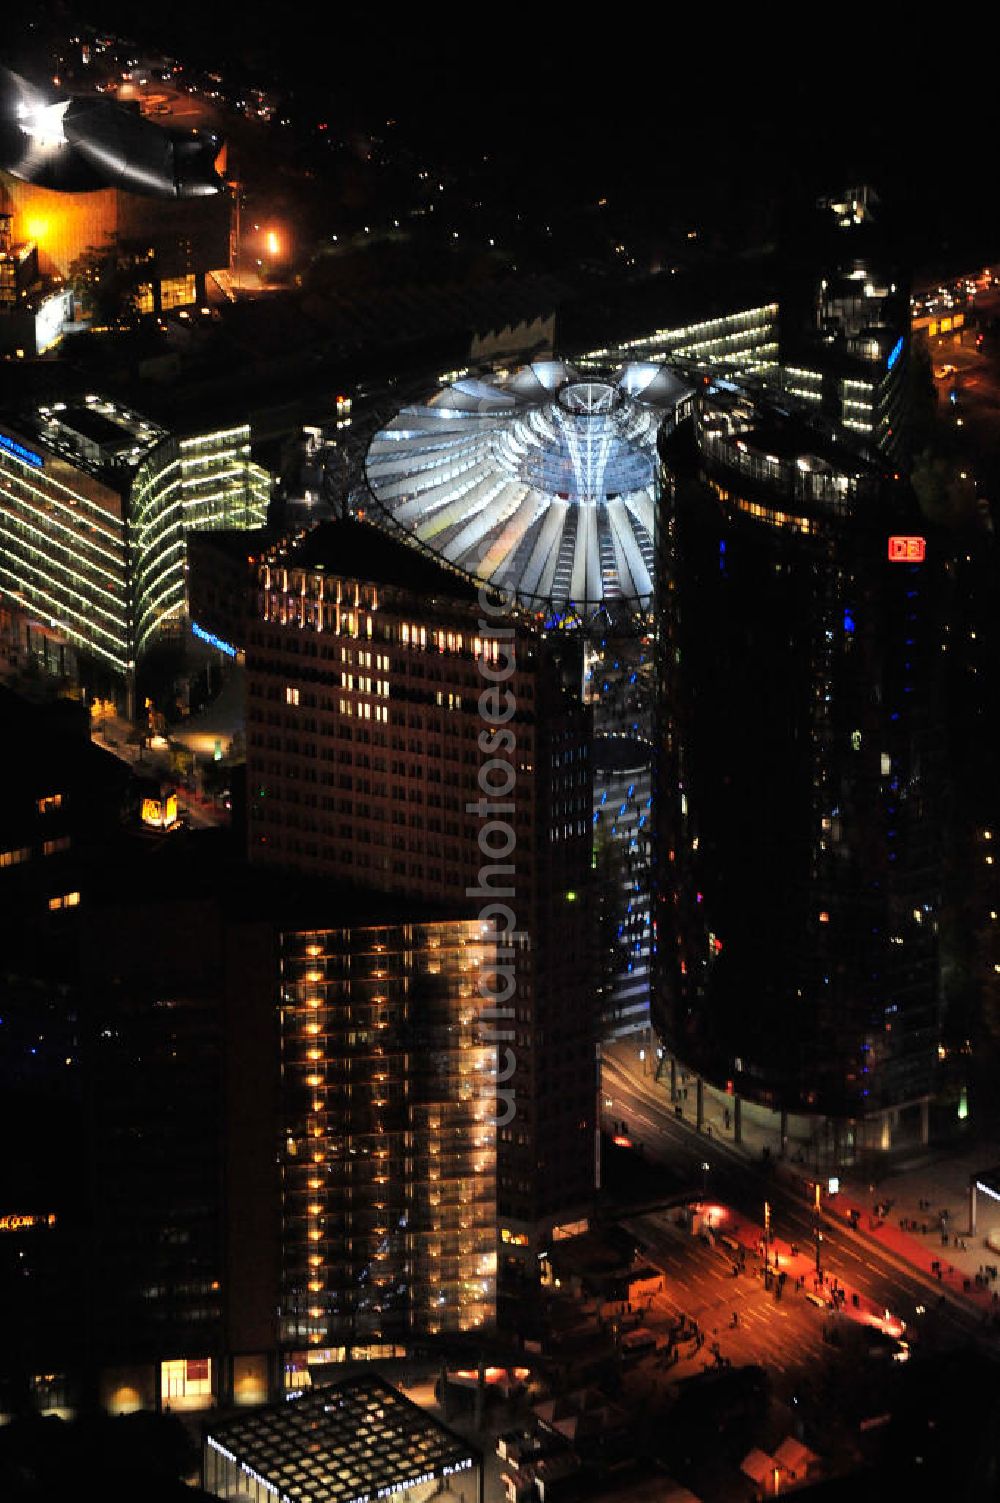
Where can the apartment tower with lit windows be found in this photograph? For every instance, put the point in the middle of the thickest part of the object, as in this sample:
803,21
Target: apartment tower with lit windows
388,1155
367,728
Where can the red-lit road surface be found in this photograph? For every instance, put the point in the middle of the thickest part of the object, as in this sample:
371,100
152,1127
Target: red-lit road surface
799,1266
784,1335
885,1269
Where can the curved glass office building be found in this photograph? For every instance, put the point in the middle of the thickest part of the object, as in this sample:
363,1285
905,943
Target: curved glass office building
96,503
542,482
798,774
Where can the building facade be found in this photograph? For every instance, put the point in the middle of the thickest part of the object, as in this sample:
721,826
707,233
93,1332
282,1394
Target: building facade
173,246
378,688
388,1154
798,771
96,503
845,321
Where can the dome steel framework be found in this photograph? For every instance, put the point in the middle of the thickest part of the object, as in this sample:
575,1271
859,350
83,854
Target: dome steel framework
542,482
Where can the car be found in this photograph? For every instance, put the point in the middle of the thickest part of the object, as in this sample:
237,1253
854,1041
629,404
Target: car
882,1345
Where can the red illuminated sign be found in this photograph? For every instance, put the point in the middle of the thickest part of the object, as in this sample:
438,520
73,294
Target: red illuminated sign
904,550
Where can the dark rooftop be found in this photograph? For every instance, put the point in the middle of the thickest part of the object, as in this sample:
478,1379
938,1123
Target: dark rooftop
236,542
206,866
110,436
361,551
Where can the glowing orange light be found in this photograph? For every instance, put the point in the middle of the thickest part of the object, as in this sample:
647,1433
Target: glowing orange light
273,243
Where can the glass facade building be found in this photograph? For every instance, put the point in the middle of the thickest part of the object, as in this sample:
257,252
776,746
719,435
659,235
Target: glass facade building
96,503
797,866
845,321
745,340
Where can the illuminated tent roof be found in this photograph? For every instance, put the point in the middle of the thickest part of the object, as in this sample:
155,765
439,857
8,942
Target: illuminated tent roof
543,482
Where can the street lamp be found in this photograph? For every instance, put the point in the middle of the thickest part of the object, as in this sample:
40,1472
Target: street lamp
767,1233
818,1230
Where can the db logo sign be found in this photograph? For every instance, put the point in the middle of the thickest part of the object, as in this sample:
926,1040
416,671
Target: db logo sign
907,550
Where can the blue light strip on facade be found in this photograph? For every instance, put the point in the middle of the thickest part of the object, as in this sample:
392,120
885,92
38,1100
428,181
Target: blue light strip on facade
894,353
20,452
213,640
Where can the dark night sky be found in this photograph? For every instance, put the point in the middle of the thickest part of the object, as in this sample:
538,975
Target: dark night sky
633,102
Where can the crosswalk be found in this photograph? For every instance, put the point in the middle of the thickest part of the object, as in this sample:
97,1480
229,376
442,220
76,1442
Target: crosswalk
783,1335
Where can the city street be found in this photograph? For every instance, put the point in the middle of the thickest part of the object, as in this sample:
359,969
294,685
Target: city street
784,1334
973,373
733,1180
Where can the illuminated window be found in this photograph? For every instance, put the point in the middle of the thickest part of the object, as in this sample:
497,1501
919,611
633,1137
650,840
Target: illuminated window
49,802
291,695
175,292
65,900
50,847
15,857
186,1378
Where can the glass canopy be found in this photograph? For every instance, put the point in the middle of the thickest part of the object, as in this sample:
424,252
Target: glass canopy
543,482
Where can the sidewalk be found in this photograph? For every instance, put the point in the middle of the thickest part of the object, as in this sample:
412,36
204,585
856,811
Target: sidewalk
938,1178
912,1198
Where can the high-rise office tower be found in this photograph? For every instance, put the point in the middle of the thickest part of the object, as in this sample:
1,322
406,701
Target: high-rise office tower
798,774
96,505
403,737
845,319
